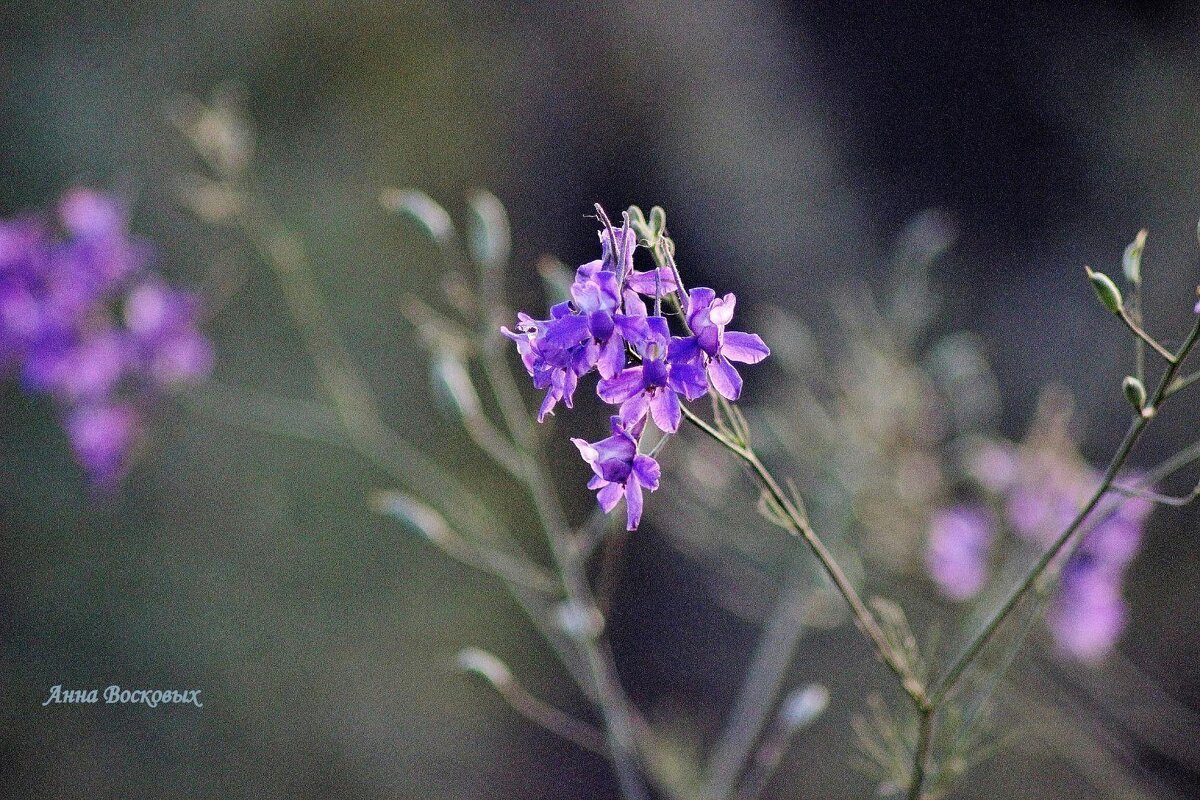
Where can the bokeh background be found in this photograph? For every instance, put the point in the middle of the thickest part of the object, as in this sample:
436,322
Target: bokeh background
789,144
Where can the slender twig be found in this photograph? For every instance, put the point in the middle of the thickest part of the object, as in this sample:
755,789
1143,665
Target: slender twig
1139,346
528,705
799,526
766,760
1155,497
1136,428
921,752
1141,333
764,678
1182,383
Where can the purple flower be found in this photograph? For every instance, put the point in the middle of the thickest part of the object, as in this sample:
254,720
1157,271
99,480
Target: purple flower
960,543
1087,614
656,383
555,353
102,437
163,324
59,290
620,470
707,317
596,296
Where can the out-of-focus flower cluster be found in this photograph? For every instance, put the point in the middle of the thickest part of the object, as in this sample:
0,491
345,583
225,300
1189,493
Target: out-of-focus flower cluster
85,319
644,370
1028,495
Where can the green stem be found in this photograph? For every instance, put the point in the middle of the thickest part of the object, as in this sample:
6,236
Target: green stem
1141,333
799,526
921,753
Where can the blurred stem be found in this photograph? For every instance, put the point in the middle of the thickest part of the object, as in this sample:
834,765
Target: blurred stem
764,678
921,752
766,760
546,716
1131,437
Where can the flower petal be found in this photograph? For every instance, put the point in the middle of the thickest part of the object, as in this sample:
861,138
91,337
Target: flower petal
609,495
664,407
647,471
633,503
620,387
725,378
652,282
634,409
688,380
748,348
721,311
612,356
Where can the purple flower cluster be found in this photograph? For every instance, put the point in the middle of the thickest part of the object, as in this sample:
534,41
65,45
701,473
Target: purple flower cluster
644,370
85,320
1037,494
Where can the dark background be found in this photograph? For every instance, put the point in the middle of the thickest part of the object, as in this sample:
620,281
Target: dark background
788,143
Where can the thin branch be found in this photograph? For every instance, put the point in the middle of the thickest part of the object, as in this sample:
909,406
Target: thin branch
529,706
799,526
921,752
1141,333
760,688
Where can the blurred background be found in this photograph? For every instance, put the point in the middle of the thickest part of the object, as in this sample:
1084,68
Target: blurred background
790,144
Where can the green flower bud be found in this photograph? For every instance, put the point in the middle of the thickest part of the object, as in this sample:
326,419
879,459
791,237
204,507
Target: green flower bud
637,219
1135,392
658,221
1131,262
1106,290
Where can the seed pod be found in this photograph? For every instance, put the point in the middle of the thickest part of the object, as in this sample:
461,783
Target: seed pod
1106,290
1131,262
1135,392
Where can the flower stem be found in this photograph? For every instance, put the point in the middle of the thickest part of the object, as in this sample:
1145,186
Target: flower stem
799,526
1141,333
921,753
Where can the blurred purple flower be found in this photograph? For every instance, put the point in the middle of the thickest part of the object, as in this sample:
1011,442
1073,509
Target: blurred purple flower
960,543
1087,614
58,329
102,438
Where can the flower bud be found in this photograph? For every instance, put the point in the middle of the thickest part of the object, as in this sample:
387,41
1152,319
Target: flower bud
637,219
490,239
658,222
422,209
580,622
803,706
420,517
1106,290
1131,262
454,382
485,665
1135,392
